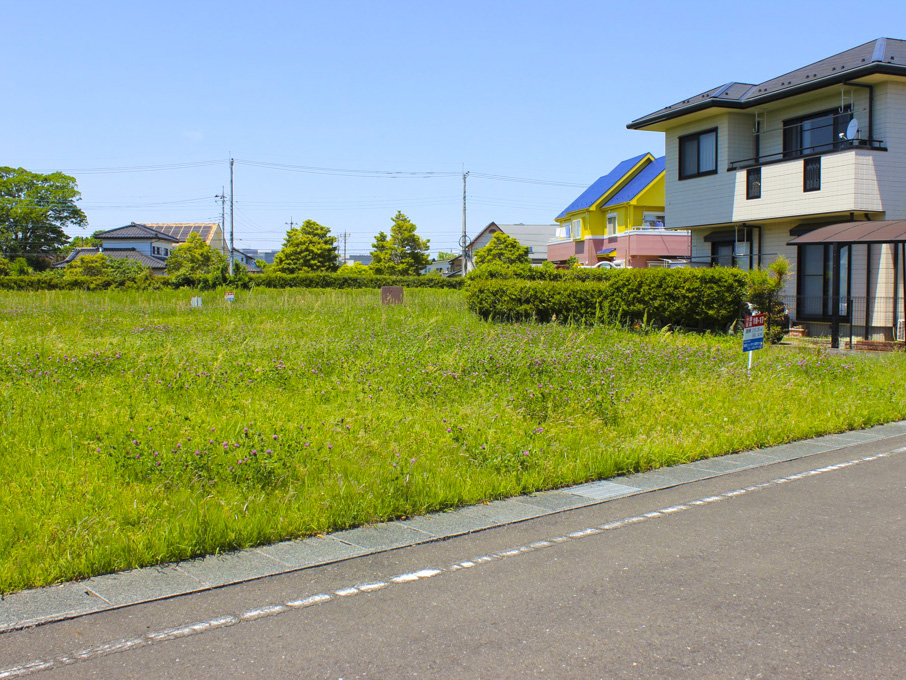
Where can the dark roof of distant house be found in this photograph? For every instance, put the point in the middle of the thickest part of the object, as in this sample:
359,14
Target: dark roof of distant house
116,254
884,55
135,231
602,185
640,182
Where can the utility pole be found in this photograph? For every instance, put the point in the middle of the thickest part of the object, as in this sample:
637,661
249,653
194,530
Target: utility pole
222,197
465,239
345,235
231,217
291,223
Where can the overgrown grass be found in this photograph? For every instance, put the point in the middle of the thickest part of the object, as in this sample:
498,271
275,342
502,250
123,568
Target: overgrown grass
138,430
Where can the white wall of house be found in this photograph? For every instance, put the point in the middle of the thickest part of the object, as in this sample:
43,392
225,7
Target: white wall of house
855,179
699,200
141,245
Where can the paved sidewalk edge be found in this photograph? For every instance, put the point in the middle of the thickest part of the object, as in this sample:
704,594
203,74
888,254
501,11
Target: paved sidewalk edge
30,608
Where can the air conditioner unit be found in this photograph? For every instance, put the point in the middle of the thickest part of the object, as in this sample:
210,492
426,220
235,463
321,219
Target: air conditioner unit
901,331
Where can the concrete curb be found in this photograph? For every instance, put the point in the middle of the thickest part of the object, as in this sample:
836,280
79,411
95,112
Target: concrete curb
34,607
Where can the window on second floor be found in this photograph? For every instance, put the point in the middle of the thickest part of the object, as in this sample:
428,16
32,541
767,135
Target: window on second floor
753,183
815,133
576,228
612,224
698,154
811,174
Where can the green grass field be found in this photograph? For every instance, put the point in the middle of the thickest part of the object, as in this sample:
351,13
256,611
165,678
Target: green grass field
138,430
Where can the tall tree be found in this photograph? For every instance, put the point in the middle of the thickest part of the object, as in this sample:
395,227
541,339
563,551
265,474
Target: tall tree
308,248
406,253
380,253
503,249
195,258
34,209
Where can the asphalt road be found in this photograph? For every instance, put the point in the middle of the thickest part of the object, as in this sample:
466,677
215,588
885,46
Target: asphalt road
767,573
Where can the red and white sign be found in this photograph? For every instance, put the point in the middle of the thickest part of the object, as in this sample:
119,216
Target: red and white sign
753,332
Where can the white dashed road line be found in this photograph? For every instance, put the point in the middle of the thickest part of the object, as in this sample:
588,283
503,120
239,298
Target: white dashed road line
156,637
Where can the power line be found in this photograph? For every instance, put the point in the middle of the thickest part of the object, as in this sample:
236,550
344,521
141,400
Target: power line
136,168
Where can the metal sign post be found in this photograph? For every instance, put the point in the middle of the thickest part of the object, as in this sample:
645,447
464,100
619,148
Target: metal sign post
753,335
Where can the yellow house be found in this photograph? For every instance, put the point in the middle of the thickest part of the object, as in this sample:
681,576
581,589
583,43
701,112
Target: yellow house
628,201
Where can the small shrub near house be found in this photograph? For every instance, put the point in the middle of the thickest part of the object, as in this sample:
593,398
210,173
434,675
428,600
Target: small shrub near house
702,299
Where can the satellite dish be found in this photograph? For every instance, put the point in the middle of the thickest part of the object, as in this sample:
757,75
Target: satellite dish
852,130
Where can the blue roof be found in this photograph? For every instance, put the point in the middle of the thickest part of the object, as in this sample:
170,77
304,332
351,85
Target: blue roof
602,186
640,182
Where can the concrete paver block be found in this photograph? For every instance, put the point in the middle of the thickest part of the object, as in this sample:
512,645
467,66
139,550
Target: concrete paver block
554,501
664,477
311,551
450,523
138,585
603,490
216,570
739,461
503,512
382,536
51,602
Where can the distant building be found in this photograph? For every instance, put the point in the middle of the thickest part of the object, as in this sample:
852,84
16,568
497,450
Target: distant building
533,236
620,217
150,244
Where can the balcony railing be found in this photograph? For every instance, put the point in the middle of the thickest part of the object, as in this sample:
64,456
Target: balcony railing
781,156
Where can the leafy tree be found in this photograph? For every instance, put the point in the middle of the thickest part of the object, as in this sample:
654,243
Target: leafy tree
19,267
380,253
356,269
195,258
503,249
445,256
4,267
88,265
405,253
34,209
308,248
763,293
127,270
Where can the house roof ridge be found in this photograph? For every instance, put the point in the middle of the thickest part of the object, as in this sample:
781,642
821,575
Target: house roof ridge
598,189
869,57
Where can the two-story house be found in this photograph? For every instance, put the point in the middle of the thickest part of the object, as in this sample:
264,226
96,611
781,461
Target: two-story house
619,217
810,165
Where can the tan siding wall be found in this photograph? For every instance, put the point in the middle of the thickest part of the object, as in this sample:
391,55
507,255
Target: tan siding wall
890,167
702,200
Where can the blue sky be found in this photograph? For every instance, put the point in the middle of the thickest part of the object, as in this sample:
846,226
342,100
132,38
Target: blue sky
536,90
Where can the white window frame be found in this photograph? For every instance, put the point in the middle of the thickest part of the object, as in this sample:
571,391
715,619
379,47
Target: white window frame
616,224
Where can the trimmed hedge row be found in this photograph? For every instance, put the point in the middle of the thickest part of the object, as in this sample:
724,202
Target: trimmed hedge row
704,299
315,280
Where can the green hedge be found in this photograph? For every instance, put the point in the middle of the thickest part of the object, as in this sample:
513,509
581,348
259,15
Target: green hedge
704,299
55,281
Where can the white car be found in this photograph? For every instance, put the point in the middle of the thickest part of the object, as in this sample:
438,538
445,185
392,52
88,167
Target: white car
606,264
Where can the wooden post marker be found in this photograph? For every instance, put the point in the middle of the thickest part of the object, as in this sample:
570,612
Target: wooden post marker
391,295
